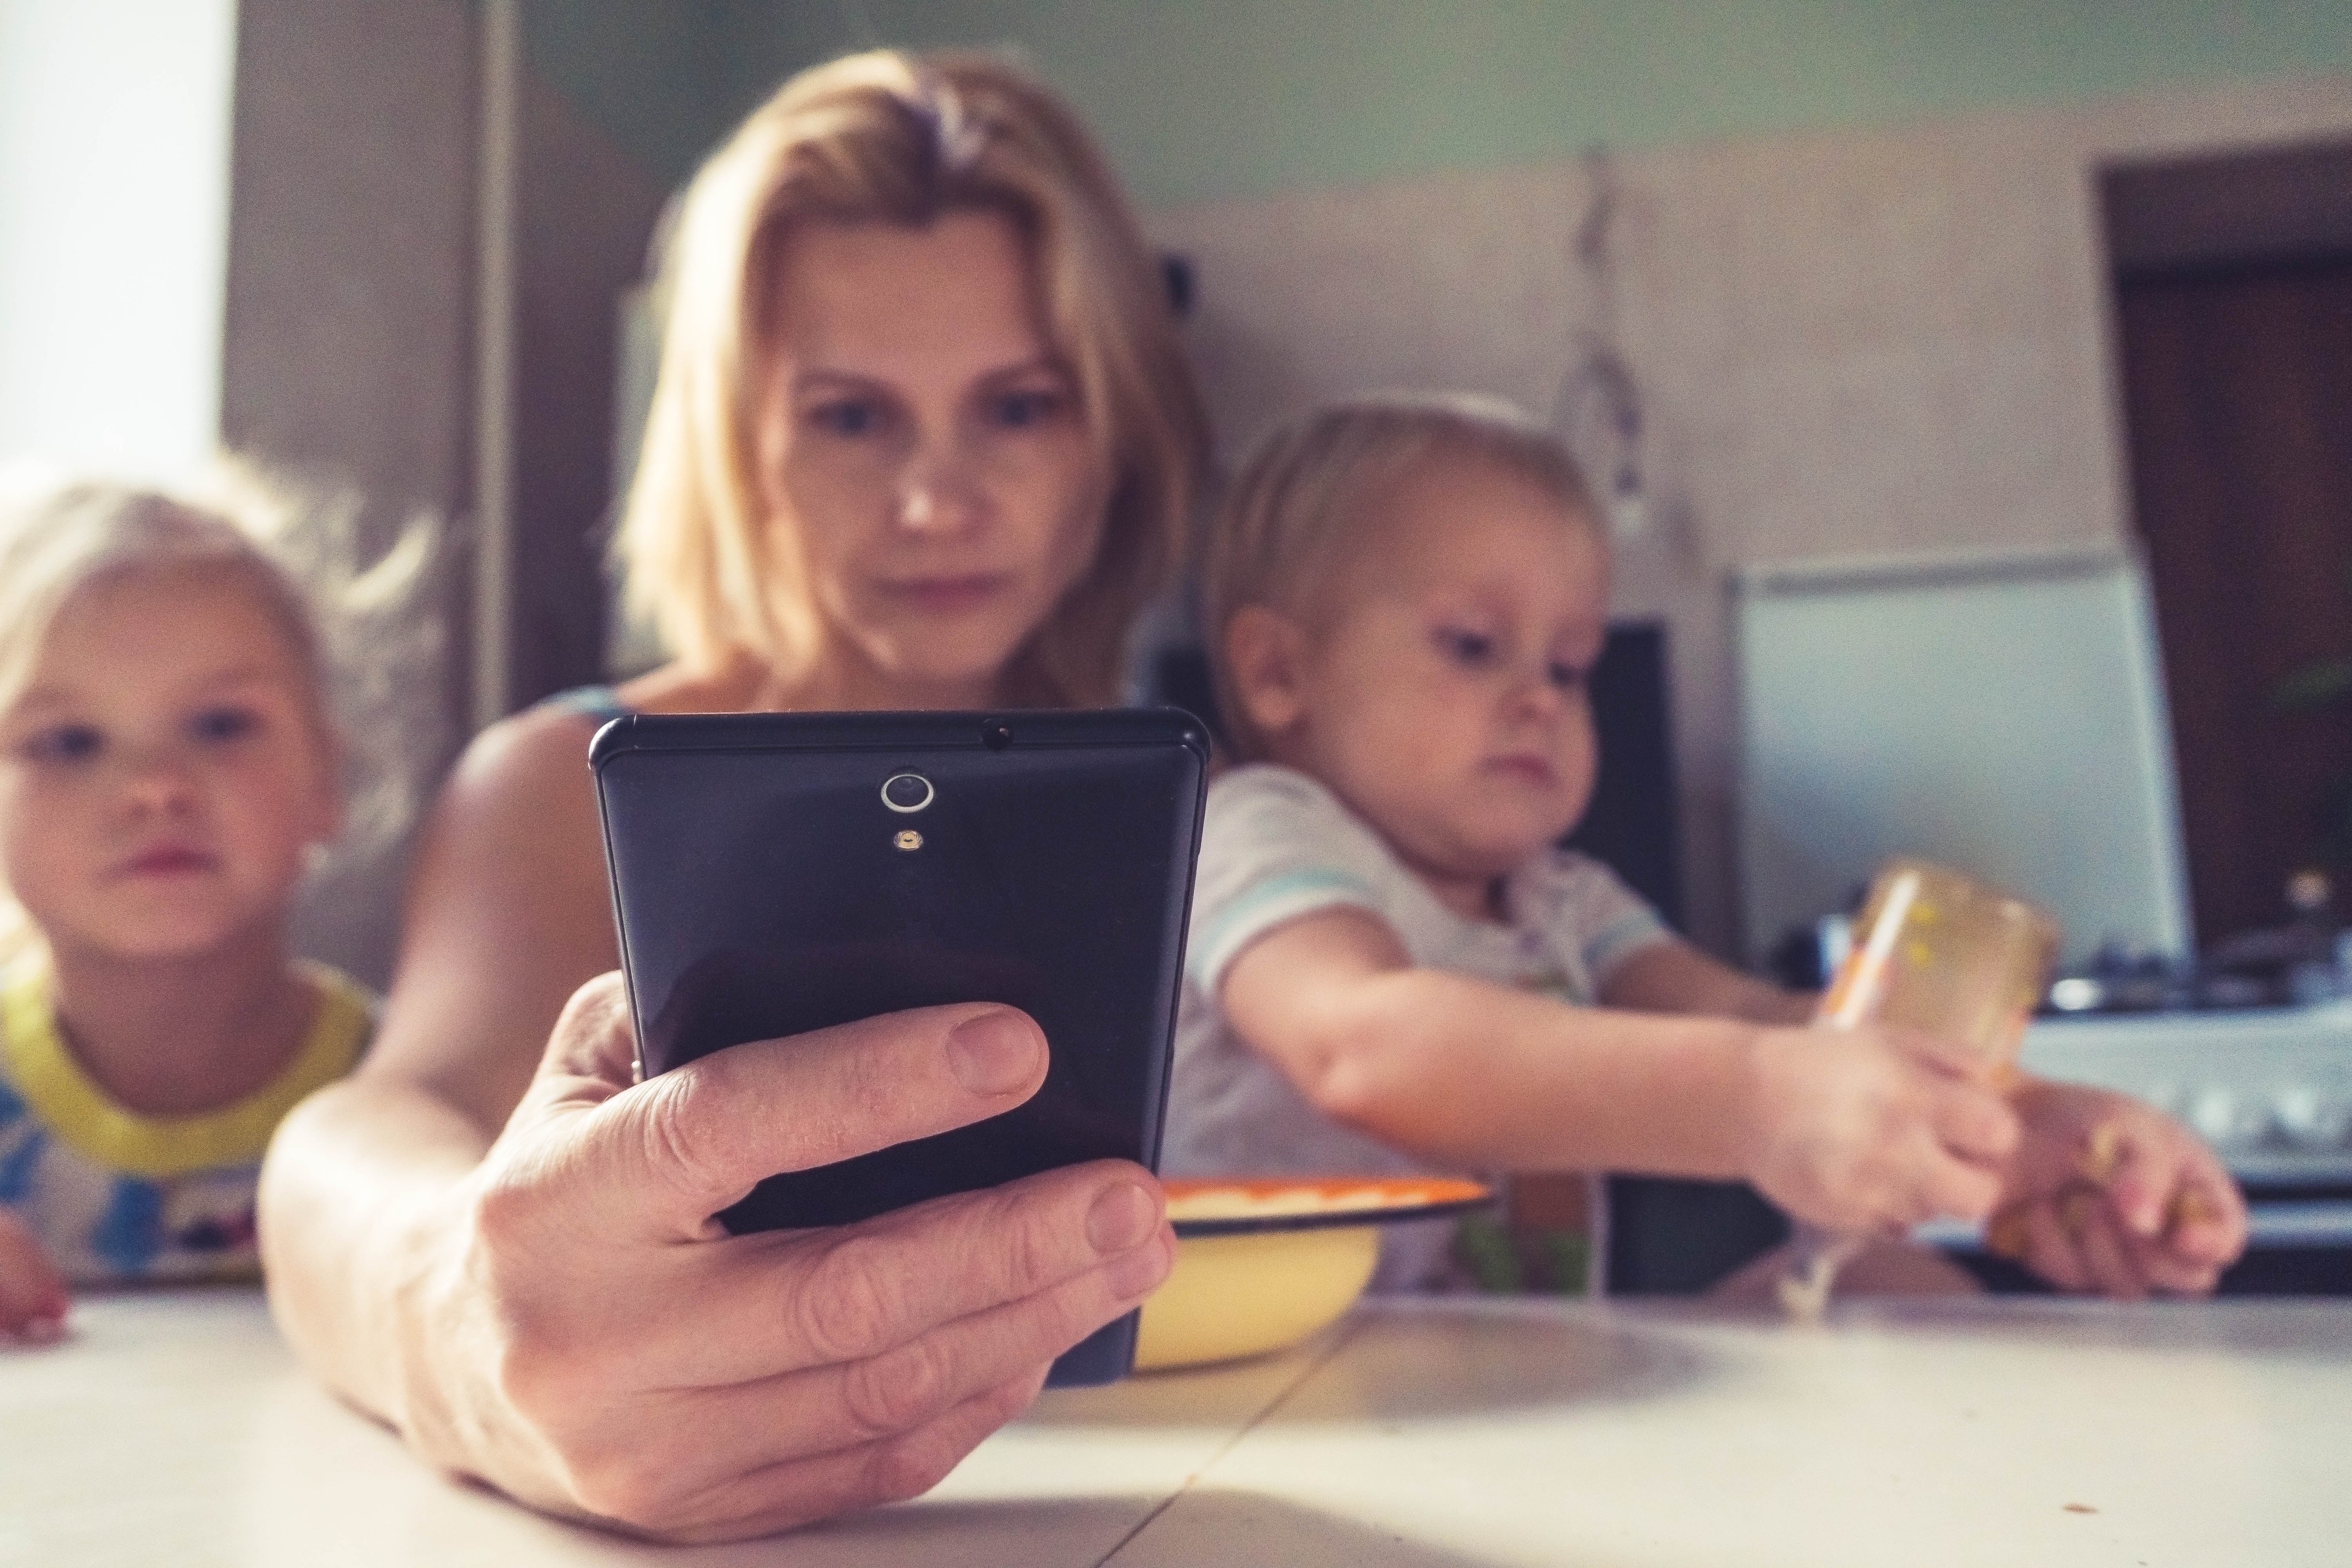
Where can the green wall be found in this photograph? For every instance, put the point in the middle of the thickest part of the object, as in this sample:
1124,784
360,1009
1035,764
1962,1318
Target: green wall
1207,99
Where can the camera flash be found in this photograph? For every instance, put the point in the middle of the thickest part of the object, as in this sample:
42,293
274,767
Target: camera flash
908,838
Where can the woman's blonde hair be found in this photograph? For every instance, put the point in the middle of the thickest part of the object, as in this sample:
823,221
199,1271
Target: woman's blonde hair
898,138
1307,498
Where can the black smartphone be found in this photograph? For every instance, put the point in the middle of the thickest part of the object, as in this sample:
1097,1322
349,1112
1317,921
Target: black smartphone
774,873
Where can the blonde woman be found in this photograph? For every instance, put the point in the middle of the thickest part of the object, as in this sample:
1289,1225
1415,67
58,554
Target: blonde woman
923,437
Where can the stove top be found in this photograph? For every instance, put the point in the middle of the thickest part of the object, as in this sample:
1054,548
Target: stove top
2270,1087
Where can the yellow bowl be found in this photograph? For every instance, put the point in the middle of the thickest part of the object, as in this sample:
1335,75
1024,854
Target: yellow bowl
1232,1296
1262,1264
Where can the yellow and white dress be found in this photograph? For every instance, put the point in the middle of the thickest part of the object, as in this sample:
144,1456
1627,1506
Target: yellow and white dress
114,1195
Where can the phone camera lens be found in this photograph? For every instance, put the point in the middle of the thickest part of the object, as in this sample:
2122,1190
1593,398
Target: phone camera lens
997,734
906,791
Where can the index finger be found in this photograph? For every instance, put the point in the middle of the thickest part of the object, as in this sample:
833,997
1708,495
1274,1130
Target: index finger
698,1138
2164,1187
784,1300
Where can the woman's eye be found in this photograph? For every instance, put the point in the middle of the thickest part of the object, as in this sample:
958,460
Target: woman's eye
1024,409
65,743
1465,647
850,416
1568,676
218,725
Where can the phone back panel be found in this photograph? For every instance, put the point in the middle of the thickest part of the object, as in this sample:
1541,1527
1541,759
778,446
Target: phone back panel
763,888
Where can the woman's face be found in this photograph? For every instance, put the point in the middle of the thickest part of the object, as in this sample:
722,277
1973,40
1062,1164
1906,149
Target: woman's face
930,448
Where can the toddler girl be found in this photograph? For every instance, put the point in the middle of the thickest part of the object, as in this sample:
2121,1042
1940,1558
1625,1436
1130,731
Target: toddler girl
168,768
1394,969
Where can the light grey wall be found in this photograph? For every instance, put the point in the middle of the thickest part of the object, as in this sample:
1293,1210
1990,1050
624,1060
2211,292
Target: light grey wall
1211,100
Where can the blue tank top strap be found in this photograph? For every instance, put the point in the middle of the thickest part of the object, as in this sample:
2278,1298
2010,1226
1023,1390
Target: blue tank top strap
600,703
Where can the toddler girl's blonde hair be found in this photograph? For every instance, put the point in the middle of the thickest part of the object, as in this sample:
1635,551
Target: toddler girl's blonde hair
1309,497
897,138
366,654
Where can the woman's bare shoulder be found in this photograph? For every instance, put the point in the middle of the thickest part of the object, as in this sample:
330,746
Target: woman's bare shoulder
506,915
525,754
732,687
516,821
522,793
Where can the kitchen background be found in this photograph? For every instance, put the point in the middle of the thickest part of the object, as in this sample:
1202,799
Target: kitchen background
1854,257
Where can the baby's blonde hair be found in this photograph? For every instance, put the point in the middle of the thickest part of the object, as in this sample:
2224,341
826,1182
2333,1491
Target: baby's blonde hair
61,541
1310,491
898,138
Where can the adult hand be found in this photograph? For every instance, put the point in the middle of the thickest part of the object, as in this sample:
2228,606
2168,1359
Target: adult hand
1873,1129
33,1299
2110,1196
594,1343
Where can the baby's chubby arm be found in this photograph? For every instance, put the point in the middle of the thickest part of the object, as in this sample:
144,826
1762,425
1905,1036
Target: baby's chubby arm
1860,1129
1673,976
33,1299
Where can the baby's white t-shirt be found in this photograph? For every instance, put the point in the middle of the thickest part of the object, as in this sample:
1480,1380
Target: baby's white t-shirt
1278,845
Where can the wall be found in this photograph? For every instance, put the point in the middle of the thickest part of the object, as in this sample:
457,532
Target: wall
1859,343
1214,99
586,214
114,210
351,341
347,354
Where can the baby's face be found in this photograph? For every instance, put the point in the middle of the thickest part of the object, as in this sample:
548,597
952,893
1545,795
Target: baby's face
1445,698
162,774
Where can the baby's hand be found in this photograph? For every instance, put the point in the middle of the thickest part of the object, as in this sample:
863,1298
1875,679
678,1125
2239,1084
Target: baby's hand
2111,1196
32,1292
1873,1129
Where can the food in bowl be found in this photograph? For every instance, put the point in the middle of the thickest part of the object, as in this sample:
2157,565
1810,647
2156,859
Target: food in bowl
1263,1263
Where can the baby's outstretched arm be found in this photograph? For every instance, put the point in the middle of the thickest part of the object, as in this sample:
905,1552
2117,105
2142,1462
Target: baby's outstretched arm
1673,976
33,1299
1861,1130
2105,1195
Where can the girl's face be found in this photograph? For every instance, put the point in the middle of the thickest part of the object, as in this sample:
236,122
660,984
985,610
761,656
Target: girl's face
1444,695
164,770
930,447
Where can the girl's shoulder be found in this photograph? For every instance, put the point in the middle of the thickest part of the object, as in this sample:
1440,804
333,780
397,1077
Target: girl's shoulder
347,1010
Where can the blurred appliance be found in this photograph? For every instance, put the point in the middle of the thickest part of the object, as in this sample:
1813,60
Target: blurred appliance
2006,714
2002,714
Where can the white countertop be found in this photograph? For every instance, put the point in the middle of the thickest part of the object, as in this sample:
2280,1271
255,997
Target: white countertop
174,1430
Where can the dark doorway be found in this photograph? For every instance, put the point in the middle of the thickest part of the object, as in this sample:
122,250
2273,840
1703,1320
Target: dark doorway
2233,290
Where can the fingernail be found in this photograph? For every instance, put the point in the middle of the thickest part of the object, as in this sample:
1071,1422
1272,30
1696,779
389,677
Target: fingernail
1123,1218
1138,1272
994,1053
